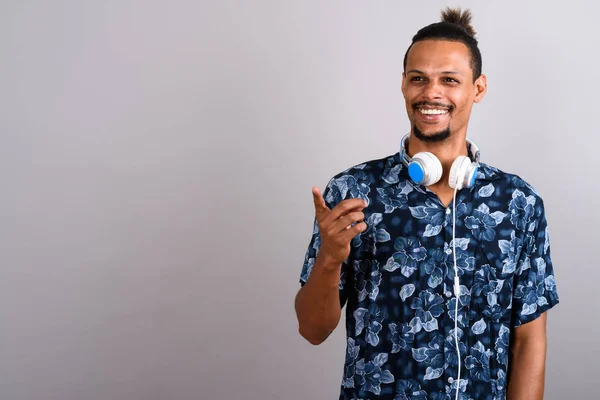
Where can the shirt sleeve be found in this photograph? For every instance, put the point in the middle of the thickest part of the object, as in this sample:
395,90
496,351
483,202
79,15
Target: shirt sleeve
332,198
535,285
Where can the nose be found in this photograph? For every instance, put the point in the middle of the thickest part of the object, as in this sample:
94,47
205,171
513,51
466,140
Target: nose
433,90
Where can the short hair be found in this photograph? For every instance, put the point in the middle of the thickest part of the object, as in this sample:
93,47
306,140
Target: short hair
455,26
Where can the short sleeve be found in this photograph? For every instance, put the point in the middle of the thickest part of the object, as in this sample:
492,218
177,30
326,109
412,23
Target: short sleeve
332,198
535,284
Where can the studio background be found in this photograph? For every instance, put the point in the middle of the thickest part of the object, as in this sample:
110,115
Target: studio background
157,161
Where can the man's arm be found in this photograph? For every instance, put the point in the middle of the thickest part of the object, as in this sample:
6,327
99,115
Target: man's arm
317,304
528,361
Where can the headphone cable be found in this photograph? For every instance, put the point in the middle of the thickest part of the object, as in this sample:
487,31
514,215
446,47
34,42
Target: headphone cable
456,290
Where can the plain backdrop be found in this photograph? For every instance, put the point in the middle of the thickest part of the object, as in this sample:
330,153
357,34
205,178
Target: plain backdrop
156,165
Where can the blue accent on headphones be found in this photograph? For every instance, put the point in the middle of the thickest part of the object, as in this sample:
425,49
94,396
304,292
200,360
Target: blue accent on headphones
416,173
474,177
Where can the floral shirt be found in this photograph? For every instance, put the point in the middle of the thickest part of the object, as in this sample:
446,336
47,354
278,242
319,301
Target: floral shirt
397,283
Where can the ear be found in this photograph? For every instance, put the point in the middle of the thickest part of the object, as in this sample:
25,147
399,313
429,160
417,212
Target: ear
480,88
403,83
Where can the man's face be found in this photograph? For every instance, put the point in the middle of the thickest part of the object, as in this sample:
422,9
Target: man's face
439,90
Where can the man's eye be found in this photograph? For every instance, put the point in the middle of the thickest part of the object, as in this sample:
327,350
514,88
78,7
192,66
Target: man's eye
451,80
416,79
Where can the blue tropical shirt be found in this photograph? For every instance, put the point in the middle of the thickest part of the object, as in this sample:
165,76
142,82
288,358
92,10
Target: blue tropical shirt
397,283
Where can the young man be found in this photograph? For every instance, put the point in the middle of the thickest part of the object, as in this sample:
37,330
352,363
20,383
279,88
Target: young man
443,262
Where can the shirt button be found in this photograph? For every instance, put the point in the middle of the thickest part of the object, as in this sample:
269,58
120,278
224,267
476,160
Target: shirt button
448,251
448,211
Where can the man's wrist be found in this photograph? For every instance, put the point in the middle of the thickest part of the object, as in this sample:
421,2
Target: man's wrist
328,264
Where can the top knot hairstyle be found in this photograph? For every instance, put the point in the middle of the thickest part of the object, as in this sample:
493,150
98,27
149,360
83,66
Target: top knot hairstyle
455,26
460,18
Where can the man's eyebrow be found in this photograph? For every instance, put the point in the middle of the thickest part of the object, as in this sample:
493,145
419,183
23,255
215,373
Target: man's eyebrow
451,73
417,71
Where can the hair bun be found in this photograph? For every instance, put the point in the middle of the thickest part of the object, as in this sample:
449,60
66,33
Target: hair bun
458,17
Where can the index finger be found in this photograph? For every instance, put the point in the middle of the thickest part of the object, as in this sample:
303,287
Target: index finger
320,205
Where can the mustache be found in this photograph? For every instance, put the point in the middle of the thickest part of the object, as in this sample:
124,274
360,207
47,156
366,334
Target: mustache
432,104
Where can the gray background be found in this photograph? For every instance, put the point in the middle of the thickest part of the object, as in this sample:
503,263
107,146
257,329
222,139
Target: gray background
157,161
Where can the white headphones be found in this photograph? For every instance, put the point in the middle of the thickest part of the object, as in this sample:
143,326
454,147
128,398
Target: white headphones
425,168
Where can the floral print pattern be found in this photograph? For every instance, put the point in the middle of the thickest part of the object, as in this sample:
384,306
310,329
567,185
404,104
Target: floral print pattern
397,282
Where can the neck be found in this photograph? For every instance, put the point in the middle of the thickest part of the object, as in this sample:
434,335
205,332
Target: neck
446,151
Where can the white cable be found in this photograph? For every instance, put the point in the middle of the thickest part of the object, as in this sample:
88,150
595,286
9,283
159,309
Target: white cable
456,289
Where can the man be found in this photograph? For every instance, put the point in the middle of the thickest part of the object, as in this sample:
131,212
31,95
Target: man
430,264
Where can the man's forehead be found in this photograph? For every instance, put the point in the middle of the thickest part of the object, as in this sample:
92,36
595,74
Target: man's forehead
438,56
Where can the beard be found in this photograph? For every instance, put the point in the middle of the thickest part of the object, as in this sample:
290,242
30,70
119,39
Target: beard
437,136
432,138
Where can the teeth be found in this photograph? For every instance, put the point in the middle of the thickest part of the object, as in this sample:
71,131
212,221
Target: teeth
432,112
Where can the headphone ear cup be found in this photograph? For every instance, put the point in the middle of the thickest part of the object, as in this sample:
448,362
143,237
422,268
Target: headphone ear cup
462,173
425,168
